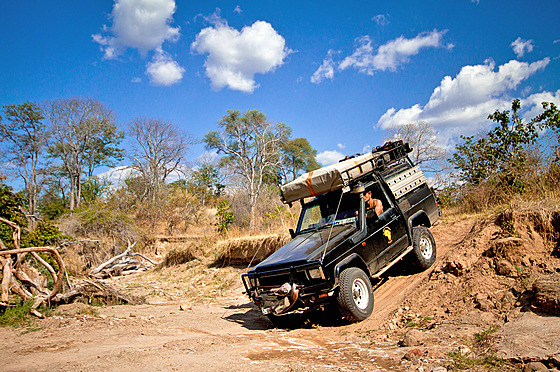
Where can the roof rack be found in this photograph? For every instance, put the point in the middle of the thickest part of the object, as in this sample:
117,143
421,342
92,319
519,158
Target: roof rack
382,159
348,171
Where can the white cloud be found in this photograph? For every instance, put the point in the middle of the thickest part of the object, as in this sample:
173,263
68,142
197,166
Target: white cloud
238,10
381,19
116,176
329,157
533,103
163,70
362,58
521,46
340,146
462,104
138,24
136,80
234,57
391,55
325,71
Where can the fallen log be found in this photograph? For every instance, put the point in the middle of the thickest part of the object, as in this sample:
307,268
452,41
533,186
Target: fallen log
121,263
112,260
90,291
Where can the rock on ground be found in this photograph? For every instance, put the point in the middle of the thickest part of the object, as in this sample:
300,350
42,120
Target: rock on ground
547,293
530,338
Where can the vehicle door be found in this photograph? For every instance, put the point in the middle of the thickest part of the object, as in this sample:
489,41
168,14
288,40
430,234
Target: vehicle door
387,232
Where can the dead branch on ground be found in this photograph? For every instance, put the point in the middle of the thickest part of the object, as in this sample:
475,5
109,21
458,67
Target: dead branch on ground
123,264
25,280
25,272
95,291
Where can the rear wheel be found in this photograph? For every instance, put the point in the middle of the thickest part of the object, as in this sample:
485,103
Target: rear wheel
424,247
355,297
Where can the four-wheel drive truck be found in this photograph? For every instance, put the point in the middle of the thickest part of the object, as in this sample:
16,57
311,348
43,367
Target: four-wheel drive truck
340,244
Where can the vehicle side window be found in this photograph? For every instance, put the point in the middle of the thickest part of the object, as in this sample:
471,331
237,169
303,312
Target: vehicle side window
375,201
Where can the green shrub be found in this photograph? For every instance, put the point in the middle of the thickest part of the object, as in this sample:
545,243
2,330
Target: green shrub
17,315
225,215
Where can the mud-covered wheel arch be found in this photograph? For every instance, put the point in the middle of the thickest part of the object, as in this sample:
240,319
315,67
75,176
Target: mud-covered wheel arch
355,295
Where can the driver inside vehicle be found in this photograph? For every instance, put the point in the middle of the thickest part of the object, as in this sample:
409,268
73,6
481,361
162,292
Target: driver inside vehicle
374,207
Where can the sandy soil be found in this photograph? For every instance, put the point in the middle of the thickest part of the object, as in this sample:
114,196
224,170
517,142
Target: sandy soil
227,333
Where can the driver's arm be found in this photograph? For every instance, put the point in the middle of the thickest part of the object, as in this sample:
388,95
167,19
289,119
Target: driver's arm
378,206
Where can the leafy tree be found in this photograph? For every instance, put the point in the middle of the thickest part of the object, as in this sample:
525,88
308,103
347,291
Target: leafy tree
10,209
204,182
252,147
84,137
159,150
104,150
93,188
550,119
52,203
54,200
298,157
474,159
502,151
24,137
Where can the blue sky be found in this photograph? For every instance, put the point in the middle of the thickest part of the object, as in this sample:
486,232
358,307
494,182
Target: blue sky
338,73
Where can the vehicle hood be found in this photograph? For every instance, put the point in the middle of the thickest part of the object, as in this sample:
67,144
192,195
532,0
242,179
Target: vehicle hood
305,248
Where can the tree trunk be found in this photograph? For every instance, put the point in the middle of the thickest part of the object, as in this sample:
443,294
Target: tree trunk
72,195
78,189
253,214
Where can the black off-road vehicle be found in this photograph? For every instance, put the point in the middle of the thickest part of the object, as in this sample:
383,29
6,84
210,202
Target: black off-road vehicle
339,245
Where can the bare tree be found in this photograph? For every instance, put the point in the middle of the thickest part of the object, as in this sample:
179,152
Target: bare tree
84,136
24,136
425,147
159,149
252,147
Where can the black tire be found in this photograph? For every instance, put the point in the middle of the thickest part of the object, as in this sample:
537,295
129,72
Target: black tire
424,247
355,295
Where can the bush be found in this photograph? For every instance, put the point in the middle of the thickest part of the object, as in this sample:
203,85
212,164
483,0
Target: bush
225,215
44,235
17,315
101,221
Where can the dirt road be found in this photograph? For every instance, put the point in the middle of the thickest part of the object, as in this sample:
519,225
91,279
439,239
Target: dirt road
227,334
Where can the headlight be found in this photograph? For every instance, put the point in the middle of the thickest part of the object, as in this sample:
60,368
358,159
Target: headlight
254,282
316,273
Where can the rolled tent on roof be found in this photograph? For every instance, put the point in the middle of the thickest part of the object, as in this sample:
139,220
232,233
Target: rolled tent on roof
330,178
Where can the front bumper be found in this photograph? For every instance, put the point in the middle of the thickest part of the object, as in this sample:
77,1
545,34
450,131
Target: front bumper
289,289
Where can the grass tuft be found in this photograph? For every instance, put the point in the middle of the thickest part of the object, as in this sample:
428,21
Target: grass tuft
17,315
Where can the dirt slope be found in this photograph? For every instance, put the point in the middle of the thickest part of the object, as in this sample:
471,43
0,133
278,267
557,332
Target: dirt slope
465,292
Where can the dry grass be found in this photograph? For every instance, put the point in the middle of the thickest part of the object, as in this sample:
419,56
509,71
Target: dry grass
249,249
183,252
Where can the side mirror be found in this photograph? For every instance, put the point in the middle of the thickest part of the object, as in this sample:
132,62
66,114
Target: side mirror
292,233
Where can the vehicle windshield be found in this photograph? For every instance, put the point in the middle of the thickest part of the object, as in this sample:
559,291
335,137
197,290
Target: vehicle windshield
321,211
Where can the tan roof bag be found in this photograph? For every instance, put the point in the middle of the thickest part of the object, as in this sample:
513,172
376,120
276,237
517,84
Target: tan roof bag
327,179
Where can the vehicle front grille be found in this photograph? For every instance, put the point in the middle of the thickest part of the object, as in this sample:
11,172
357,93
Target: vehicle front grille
275,280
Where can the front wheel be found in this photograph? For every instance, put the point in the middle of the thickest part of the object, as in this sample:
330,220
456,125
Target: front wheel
355,297
424,247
